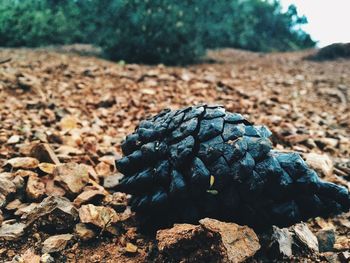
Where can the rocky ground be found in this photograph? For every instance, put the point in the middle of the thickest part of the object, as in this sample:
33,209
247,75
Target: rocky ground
63,116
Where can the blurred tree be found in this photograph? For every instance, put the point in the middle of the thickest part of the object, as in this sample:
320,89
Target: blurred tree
153,31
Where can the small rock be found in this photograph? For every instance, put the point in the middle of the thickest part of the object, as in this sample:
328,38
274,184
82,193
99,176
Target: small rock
100,216
11,230
72,176
330,257
326,142
342,243
2,200
106,101
56,243
1,218
23,162
240,242
89,193
53,212
51,188
30,257
84,232
326,240
46,258
68,123
112,180
322,163
47,167
117,200
281,242
344,256
13,139
25,209
35,188
44,153
25,173
103,169
305,237
130,248
7,187
13,205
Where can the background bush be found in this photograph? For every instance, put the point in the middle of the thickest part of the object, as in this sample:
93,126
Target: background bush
153,31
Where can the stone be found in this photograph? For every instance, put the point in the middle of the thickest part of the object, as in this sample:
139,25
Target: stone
7,187
342,243
13,139
84,232
186,242
117,200
103,169
35,188
281,242
25,173
25,209
326,240
56,243
46,258
53,212
51,188
239,242
130,248
69,122
13,205
330,257
321,163
89,193
344,256
327,142
1,217
305,238
12,230
112,181
44,153
100,216
23,162
30,257
47,168
169,239
72,176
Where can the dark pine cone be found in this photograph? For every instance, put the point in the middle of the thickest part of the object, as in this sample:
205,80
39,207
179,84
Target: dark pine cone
184,165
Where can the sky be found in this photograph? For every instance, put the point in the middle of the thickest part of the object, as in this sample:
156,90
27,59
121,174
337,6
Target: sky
329,20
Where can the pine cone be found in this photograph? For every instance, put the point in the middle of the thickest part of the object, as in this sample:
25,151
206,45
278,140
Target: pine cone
184,165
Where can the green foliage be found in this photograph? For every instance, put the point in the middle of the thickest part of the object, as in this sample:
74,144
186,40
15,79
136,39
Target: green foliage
153,31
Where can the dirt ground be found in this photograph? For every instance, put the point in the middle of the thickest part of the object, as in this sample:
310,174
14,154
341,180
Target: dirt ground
84,106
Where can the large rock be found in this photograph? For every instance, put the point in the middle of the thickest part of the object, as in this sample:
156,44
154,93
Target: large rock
239,242
211,241
187,243
72,176
56,243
